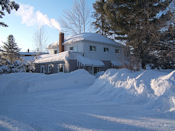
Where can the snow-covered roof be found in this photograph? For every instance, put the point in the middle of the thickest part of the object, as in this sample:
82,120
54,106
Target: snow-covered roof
116,63
28,53
53,45
94,37
69,55
28,59
52,57
89,62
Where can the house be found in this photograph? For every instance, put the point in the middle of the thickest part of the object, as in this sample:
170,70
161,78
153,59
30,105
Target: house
28,58
89,51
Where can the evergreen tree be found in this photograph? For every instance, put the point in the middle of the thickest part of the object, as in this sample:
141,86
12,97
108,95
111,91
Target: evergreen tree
7,6
10,50
145,32
100,22
137,22
164,50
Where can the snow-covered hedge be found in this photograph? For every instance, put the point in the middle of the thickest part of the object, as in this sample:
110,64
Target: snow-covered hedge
17,66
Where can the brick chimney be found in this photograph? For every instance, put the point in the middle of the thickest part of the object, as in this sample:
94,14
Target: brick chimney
61,40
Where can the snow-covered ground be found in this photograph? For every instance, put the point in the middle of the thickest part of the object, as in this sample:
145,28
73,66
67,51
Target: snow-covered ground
115,100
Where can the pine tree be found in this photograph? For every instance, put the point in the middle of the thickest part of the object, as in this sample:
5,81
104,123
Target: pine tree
164,50
145,32
100,23
137,22
10,50
7,6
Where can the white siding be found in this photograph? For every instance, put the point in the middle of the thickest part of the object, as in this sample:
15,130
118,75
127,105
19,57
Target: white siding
83,47
51,51
100,54
77,47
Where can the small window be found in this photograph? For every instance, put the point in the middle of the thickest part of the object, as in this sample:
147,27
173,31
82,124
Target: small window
71,48
106,49
50,68
55,51
60,67
92,48
96,70
42,69
117,50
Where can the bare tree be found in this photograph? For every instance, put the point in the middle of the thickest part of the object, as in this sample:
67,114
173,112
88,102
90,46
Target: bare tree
77,19
40,39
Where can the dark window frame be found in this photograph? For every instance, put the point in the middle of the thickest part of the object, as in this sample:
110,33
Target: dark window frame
117,50
71,48
105,49
92,48
55,52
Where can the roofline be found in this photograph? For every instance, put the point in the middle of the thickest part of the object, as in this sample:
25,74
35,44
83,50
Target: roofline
117,43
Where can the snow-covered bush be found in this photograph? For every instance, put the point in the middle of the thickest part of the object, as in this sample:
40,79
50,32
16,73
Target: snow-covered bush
17,66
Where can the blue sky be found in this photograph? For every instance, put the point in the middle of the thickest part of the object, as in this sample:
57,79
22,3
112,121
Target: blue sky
33,14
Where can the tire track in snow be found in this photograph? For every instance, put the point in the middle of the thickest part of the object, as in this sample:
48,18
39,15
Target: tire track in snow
13,125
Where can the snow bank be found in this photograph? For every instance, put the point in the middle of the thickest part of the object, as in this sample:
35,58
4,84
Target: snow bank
150,88
153,88
19,83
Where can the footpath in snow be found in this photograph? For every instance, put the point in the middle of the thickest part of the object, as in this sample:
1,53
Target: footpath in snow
115,100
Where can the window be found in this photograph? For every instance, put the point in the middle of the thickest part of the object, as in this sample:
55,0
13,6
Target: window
71,48
117,50
92,48
50,68
106,49
55,51
42,69
60,67
96,70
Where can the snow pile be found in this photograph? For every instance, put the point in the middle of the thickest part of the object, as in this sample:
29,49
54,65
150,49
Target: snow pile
150,88
153,88
19,83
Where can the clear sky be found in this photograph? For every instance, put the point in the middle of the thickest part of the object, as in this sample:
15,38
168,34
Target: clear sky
34,14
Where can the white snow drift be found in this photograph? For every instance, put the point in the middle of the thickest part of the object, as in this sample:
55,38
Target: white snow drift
114,100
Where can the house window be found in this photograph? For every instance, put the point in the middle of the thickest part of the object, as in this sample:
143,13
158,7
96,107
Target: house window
60,67
42,69
55,51
71,48
92,48
50,68
117,50
96,70
106,49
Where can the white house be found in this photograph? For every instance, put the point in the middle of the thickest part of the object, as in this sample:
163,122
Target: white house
90,51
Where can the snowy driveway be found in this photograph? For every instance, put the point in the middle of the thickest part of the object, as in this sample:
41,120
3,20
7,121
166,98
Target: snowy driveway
77,108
